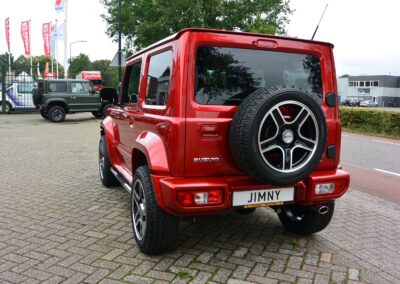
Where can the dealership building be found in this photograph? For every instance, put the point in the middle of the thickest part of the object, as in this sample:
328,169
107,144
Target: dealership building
383,89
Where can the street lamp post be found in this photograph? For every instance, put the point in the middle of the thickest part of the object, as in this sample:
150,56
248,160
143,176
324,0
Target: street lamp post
70,49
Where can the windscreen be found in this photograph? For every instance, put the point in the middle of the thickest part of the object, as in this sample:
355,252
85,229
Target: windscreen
225,76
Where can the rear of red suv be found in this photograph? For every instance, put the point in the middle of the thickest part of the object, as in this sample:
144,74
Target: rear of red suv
250,121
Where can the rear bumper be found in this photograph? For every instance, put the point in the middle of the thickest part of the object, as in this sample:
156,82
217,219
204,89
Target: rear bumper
166,189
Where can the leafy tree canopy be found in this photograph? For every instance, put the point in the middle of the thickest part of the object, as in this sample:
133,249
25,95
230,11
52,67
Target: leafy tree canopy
147,21
78,64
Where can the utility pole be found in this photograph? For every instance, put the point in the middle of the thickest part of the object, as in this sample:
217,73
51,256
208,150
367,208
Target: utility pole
119,41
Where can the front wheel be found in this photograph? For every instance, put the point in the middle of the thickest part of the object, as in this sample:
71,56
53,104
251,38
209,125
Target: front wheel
8,107
154,230
97,114
306,220
56,114
106,176
43,114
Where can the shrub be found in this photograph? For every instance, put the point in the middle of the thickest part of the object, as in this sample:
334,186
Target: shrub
371,121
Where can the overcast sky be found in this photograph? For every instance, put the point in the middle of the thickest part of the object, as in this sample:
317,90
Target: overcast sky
365,33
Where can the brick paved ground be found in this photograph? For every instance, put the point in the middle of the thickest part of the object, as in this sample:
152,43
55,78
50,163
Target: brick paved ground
58,223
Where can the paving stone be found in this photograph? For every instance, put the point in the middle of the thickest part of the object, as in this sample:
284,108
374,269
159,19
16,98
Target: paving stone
222,275
201,277
160,275
261,280
241,272
354,274
326,257
205,257
97,276
138,279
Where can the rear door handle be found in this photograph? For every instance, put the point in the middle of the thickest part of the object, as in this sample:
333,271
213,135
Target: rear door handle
73,97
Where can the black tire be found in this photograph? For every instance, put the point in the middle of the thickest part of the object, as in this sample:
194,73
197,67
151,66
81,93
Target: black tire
8,107
56,114
161,229
249,121
106,176
306,220
36,97
43,114
104,109
97,114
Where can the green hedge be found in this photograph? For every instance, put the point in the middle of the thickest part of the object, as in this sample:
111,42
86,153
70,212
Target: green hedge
371,121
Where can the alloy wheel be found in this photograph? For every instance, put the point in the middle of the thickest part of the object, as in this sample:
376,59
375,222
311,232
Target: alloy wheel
288,136
139,209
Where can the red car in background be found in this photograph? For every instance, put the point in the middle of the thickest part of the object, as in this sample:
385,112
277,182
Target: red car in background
92,76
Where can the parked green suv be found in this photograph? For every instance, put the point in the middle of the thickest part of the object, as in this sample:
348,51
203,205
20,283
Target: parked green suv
56,97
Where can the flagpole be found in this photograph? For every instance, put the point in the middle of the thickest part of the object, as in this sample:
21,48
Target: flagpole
30,45
65,39
56,42
9,63
51,52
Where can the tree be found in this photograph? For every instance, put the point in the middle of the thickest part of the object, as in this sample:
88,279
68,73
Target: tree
147,21
79,63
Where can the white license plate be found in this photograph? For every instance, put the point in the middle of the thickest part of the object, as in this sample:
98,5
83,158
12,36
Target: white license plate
262,197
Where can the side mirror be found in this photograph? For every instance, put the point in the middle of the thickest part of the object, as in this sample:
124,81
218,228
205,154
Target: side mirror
109,94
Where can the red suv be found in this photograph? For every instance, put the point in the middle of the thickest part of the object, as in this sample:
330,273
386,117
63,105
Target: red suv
208,121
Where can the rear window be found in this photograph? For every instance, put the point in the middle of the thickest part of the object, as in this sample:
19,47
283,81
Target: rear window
225,76
57,87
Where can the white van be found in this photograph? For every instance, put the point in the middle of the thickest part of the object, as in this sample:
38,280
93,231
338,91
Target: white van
18,97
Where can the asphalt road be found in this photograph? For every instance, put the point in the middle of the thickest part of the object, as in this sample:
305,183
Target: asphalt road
373,163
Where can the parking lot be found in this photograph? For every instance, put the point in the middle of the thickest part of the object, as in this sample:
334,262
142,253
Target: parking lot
58,223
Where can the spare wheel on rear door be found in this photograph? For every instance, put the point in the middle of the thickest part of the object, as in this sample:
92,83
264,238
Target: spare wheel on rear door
278,135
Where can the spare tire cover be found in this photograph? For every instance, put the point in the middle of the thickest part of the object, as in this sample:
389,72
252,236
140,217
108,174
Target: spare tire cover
278,135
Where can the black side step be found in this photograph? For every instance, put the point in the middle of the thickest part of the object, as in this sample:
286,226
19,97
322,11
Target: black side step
124,184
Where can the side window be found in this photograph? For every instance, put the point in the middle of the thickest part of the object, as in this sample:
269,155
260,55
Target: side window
158,78
131,91
57,87
80,88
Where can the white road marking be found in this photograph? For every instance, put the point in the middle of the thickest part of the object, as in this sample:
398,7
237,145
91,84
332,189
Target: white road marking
391,143
387,172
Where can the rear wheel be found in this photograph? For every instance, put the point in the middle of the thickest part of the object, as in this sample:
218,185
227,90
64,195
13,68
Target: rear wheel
8,107
56,114
154,229
43,114
306,220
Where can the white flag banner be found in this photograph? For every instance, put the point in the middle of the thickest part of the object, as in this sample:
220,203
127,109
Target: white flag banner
58,32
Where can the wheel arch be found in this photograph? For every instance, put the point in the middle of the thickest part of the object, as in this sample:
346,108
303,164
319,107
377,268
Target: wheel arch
57,102
150,148
107,126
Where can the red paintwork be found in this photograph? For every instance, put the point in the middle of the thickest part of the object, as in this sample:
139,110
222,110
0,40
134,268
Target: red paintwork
92,76
171,136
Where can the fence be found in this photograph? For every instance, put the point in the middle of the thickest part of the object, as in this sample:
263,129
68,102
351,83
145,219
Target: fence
16,91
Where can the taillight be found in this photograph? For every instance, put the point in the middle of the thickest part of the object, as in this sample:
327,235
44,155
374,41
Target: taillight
200,197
